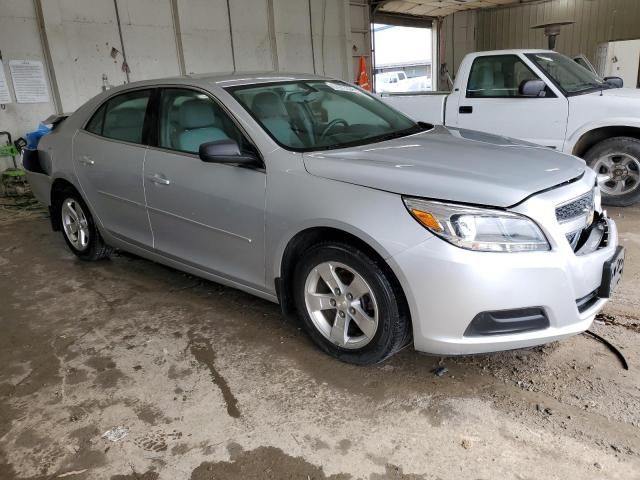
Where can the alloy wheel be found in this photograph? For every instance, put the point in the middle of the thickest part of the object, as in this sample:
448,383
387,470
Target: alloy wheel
622,170
341,305
75,225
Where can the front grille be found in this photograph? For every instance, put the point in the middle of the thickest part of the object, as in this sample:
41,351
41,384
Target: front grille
575,208
576,215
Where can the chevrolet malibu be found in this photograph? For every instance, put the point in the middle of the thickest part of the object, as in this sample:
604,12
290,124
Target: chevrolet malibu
376,231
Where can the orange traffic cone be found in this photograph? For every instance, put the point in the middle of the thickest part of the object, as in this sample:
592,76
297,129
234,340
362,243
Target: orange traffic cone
363,78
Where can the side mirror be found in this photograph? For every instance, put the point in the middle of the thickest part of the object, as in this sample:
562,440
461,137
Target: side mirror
615,82
532,88
226,151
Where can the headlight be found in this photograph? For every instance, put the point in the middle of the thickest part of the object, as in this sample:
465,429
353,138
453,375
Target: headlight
480,229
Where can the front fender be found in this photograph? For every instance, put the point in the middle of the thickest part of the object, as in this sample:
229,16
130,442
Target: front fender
574,137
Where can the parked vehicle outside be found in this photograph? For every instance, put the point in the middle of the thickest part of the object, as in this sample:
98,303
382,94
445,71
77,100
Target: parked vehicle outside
397,81
375,230
546,98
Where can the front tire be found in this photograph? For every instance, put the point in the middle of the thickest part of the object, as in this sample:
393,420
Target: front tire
79,229
350,304
618,158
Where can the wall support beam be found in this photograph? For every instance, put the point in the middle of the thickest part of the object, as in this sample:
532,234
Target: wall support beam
46,52
177,30
272,35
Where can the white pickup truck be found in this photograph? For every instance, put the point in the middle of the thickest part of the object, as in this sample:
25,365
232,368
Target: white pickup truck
543,97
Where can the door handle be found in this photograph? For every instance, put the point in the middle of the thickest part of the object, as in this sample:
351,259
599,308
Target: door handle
86,160
159,180
466,109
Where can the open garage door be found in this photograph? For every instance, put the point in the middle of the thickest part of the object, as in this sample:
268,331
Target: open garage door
405,69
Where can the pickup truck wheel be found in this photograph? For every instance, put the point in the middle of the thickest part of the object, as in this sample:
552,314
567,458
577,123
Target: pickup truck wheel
349,305
619,159
79,230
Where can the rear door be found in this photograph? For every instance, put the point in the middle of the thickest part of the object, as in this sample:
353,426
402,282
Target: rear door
490,102
204,214
108,155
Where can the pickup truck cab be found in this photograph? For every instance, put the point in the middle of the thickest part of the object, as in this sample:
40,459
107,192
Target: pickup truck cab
546,98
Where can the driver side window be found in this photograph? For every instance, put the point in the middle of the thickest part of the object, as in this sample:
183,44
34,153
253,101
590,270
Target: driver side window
189,118
498,76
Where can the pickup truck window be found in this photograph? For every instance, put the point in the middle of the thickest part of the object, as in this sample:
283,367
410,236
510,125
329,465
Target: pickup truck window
497,76
309,115
569,76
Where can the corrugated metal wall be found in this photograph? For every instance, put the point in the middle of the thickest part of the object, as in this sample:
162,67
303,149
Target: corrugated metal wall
597,21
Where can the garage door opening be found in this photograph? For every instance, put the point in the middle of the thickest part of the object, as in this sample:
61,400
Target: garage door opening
402,58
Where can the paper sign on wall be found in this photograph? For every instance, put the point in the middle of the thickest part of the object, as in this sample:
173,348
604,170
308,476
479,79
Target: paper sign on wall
5,96
29,81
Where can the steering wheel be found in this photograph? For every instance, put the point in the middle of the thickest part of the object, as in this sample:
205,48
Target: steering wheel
332,124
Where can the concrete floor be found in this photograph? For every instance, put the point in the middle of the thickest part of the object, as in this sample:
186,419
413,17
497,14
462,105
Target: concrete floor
212,383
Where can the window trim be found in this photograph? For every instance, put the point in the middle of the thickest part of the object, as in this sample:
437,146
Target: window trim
155,123
550,93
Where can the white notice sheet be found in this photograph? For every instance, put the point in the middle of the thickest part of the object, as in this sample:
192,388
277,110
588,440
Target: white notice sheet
29,81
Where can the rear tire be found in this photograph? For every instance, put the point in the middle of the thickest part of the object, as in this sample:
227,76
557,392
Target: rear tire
358,315
79,229
619,158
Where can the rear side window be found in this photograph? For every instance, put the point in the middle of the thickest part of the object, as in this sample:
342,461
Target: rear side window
498,76
122,117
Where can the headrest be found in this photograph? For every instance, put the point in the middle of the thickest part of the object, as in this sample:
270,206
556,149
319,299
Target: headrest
268,104
197,113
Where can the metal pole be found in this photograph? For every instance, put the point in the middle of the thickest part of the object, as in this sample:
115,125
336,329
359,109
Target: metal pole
124,55
233,53
177,30
46,53
272,35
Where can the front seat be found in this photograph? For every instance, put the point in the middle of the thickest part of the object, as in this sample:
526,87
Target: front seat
198,124
270,110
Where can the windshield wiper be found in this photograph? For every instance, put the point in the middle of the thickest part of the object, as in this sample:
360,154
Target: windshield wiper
589,85
417,128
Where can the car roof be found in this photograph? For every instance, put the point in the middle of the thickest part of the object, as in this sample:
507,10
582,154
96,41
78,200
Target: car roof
223,80
511,52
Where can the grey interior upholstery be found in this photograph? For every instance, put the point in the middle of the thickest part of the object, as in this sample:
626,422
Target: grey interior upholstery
124,124
198,124
271,111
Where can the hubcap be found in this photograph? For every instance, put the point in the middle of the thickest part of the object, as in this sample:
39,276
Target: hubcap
623,171
341,305
74,223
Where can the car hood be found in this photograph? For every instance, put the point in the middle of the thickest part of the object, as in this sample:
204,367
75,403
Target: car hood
450,164
621,93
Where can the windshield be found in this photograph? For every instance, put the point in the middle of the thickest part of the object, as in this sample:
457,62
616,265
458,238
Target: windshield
312,115
570,76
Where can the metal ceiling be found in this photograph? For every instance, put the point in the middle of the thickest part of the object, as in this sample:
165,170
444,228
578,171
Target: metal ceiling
438,8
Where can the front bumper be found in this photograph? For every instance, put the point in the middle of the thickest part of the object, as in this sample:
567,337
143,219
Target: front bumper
447,287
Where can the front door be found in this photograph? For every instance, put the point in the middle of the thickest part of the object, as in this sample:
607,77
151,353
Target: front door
492,103
211,216
108,156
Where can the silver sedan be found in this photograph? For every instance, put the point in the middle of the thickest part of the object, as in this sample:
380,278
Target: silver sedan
376,231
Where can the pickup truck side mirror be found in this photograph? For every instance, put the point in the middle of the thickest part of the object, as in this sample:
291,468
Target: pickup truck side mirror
226,151
532,88
615,82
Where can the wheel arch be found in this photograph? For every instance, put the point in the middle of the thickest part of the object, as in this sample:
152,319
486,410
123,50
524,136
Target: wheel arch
594,136
308,237
58,187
